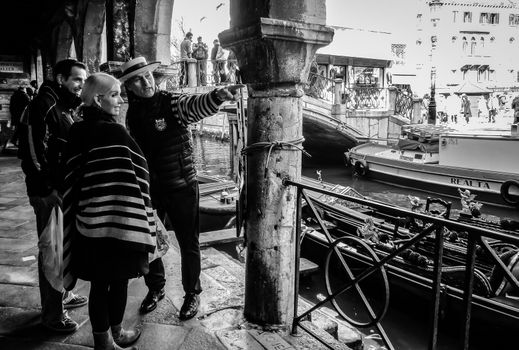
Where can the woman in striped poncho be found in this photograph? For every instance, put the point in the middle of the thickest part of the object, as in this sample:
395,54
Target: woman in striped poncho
108,218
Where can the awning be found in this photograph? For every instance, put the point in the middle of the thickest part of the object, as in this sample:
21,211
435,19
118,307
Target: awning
465,67
469,87
483,67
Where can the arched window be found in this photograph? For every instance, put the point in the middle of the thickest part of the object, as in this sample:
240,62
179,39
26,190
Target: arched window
473,46
482,45
464,44
511,40
454,38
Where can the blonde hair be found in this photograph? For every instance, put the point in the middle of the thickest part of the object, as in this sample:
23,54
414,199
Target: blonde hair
97,84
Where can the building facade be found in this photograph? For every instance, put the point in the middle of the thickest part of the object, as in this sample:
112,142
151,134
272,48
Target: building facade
472,45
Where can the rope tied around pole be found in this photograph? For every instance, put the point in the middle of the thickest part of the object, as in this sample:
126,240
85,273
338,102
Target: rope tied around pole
293,145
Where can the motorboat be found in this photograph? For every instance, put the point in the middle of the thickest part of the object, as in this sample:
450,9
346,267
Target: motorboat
445,161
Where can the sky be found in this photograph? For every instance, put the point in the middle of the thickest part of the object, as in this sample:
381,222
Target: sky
210,17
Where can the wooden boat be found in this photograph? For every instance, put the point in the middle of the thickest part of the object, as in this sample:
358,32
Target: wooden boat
413,269
444,161
217,203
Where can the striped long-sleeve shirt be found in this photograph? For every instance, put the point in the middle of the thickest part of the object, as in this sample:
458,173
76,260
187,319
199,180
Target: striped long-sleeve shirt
106,191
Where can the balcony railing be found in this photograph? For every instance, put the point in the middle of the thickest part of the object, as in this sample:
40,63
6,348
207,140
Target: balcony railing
193,73
365,97
415,242
404,103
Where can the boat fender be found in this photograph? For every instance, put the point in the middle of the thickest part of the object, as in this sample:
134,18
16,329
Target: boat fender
505,192
361,167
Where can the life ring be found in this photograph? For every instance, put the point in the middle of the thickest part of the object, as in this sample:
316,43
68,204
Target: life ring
505,192
361,167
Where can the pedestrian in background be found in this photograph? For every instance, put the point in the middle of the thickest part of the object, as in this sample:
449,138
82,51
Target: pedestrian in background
218,60
159,121
44,130
109,222
493,107
465,108
19,101
515,108
201,53
186,52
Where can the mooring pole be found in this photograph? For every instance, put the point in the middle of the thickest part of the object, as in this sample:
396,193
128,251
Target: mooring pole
275,42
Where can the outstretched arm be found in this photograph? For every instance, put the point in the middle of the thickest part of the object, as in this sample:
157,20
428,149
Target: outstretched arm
193,108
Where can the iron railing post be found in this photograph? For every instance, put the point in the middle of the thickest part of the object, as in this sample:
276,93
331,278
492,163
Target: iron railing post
436,288
469,286
297,256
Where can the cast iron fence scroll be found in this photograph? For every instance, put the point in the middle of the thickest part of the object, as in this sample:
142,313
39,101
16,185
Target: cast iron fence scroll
430,230
365,97
404,102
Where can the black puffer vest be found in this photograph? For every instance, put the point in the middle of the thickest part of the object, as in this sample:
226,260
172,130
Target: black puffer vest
165,142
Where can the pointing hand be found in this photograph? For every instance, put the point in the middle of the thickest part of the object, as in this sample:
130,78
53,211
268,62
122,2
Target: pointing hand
229,93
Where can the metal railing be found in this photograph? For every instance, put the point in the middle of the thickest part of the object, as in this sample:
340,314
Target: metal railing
365,97
404,103
207,73
320,87
424,229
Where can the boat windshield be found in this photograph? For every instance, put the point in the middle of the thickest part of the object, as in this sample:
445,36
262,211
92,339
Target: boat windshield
412,145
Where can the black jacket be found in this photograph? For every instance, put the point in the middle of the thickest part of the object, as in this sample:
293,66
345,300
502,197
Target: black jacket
44,132
160,127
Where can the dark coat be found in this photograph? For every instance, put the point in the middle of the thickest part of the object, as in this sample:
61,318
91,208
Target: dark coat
43,136
109,222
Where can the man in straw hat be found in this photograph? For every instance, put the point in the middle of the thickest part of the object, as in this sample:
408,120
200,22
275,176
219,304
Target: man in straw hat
158,120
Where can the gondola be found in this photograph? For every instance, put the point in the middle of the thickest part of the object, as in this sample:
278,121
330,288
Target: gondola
494,298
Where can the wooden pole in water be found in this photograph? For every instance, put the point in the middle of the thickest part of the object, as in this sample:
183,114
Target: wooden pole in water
275,42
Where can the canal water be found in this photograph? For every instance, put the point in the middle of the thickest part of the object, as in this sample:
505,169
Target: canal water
407,319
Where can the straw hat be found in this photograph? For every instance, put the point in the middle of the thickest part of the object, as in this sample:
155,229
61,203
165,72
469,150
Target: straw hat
135,67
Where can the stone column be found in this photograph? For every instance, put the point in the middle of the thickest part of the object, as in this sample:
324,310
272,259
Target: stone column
274,42
391,99
192,80
93,34
417,110
153,29
337,86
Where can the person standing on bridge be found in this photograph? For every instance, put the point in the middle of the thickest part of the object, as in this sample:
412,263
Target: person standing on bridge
159,120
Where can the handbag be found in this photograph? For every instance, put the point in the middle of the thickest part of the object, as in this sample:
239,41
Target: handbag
162,239
50,245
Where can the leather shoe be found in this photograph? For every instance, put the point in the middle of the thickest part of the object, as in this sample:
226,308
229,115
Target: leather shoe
190,306
150,301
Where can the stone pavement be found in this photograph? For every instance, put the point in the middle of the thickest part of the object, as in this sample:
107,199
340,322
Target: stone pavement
218,325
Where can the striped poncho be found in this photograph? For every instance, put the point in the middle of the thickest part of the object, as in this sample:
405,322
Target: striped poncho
109,227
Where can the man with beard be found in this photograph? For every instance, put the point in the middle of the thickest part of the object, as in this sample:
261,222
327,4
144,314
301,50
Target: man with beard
159,120
43,136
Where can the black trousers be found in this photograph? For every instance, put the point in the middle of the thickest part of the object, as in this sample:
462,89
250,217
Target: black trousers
106,303
182,209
